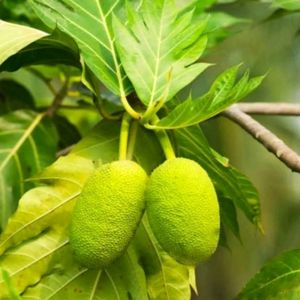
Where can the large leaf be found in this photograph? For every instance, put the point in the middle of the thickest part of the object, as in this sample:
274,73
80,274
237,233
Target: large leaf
231,183
14,37
40,227
159,48
89,24
278,279
27,144
223,93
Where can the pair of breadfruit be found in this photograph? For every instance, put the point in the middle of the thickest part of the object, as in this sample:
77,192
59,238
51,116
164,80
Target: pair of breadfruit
181,206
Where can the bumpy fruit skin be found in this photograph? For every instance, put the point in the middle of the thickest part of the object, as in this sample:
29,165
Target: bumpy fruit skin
107,213
183,210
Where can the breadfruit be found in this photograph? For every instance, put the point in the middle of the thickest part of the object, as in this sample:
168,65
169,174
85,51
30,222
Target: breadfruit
107,213
183,210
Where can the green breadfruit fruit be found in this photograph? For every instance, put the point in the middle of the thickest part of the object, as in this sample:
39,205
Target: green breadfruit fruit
183,210
107,213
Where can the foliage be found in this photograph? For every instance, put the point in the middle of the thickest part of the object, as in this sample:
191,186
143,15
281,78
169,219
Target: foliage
134,58
278,279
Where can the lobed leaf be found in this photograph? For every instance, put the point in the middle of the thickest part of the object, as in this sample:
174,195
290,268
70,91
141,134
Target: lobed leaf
159,48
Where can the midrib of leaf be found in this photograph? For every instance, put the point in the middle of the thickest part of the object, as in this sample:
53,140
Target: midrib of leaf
22,140
113,285
112,48
85,31
158,256
39,217
63,244
273,280
94,289
157,57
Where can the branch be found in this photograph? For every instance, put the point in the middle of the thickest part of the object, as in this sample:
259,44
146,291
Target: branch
289,157
59,97
265,108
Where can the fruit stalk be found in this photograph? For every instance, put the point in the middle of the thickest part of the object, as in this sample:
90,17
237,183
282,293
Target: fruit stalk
124,134
164,141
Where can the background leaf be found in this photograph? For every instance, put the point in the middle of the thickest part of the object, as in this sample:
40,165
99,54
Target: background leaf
223,93
14,37
287,4
165,42
14,96
278,279
89,24
27,145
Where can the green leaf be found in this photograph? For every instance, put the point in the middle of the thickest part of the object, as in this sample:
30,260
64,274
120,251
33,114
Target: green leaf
14,37
14,96
102,142
57,48
27,145
192,144
89,24
159,48
229,215
287,4
223,93
278,279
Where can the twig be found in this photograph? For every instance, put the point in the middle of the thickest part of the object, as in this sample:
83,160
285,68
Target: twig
59,97
289,157
265,108
64,151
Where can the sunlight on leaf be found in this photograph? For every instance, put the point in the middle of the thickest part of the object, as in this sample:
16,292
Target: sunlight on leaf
14,37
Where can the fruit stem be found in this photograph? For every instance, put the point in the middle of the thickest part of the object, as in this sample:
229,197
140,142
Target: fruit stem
124,133
164,141
132,139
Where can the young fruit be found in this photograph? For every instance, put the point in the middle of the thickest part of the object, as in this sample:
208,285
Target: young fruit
107,213
183,210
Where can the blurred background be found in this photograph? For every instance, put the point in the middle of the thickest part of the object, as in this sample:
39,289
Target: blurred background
271,45
266,39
